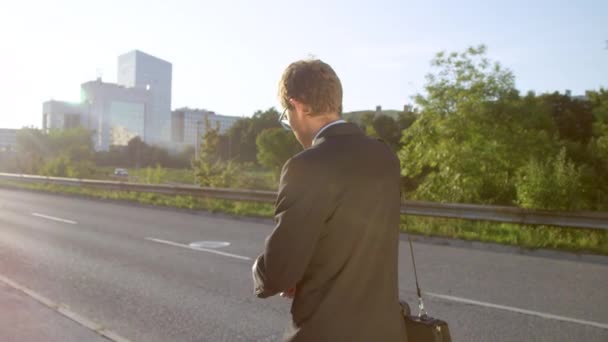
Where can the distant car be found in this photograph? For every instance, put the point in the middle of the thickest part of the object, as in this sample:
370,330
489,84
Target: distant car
121,172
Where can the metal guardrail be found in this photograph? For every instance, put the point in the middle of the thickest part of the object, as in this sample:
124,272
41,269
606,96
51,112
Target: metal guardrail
186,190
595,220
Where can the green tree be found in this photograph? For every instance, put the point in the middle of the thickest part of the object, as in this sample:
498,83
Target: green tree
599,145
473,133
383,126
366,122
387,129
210,144
405,120
209,169
275,146
59,153
185,157
139,154
75,143
243,134
32,148
595,177
573,117
599,140
136,150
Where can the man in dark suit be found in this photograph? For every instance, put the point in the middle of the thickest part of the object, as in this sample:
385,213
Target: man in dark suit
334,249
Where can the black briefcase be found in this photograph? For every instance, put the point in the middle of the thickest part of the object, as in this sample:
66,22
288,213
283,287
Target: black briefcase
424,328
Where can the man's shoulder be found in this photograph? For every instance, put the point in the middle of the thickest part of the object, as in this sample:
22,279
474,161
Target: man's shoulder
305,159
315,155
325,153
309,163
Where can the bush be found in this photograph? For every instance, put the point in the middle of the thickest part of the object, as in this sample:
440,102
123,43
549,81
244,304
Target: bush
57,167
554,184
216,174
63,166
155,175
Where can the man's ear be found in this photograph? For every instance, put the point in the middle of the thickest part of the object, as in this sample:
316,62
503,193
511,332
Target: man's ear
299,106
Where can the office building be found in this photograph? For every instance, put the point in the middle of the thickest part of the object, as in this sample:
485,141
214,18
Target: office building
188,124
8,139
139,104
115,113
142,71
62,115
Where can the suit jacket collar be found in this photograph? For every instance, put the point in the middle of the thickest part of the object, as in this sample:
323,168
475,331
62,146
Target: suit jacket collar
346,128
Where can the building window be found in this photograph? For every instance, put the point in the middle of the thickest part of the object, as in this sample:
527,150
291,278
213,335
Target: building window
126,122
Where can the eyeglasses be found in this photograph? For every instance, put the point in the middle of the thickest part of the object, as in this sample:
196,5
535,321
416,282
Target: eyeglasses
284,120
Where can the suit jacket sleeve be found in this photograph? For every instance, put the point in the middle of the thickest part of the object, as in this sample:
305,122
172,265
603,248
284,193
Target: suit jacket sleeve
300,214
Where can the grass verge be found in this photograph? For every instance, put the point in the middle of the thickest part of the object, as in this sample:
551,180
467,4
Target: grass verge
240,208
533,237
577,240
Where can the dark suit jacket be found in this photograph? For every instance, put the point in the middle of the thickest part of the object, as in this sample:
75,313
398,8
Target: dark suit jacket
336,240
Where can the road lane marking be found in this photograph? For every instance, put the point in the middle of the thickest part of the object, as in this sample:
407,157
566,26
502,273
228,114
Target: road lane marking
54,218
200,249
210,244
65,311
518,310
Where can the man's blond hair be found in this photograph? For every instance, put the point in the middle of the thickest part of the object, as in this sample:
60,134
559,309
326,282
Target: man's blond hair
314,83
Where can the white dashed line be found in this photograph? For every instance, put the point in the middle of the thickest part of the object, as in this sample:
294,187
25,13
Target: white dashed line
518,310
176,244
210,244
54,218
65,311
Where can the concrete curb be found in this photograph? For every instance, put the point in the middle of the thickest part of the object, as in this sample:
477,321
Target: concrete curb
66,312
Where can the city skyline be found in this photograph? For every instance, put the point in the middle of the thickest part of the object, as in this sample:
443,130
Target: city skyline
228,57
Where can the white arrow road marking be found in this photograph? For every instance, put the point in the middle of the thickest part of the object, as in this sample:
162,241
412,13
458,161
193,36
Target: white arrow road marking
54,218
200,249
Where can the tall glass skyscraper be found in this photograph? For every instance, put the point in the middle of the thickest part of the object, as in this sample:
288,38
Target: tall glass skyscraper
139,70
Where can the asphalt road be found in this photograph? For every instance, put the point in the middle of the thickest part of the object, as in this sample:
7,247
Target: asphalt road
129,268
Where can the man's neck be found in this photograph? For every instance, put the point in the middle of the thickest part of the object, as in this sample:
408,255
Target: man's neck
320,125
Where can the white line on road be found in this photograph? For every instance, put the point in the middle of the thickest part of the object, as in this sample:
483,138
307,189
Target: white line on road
65,311
176,244
54,218
518,310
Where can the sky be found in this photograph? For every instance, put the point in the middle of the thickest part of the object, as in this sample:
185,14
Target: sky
228,56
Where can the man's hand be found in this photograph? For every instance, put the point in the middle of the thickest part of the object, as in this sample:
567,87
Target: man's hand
257,281
289,294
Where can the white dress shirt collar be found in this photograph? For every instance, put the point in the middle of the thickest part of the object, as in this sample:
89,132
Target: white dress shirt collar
326,127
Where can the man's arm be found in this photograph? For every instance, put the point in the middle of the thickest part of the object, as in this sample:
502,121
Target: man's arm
300,215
